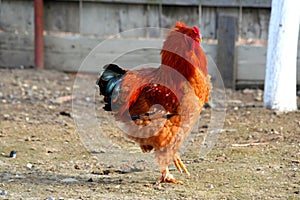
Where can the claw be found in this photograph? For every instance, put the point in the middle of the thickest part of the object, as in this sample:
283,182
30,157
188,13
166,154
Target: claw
180,166
166,177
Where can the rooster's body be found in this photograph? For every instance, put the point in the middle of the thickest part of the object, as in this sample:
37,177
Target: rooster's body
161,105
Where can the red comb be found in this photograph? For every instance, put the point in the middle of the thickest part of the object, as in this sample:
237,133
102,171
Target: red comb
196,29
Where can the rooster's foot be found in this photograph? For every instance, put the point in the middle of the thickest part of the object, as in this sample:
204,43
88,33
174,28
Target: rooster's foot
166,177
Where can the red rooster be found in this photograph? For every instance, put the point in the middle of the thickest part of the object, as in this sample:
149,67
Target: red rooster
161,105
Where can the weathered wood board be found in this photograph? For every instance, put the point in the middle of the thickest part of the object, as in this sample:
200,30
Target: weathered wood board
16,16
61,16
102,17
68,53
226,50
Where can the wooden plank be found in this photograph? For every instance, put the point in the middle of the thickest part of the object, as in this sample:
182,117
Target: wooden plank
209,20
251,62
101,19
104,18
264,19
223,3
132,17
16,58
153,20
61,16
171,14
226,50
251,69
228,11
68,52
255,23
16,16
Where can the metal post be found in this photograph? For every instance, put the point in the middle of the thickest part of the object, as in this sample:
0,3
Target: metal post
38,34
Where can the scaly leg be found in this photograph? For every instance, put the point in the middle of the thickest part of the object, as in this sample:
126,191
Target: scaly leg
166,177
179,165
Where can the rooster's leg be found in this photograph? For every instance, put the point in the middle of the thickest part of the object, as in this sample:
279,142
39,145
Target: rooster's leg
166,177
179,165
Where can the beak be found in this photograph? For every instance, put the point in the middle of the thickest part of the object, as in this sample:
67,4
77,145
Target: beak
199,39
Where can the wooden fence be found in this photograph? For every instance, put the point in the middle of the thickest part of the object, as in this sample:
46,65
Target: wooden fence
74,27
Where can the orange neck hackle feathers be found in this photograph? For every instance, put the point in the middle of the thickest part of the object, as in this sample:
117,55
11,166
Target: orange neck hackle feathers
182,52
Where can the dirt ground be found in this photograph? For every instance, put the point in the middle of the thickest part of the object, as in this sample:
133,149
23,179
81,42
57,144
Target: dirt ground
256,157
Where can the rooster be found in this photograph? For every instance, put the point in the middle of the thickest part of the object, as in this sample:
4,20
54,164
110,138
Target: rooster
159,106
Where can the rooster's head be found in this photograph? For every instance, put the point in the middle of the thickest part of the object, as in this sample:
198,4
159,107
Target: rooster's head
192,32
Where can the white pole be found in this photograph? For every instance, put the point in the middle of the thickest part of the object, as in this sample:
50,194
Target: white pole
281,68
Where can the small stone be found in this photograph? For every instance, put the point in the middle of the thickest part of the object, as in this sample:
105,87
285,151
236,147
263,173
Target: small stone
235,108
34,87
6,116
211,186
87,99
66,78
29,166
77,166
51,107
69,180
248,91
25,85
50,198
63,99
258,98
28,92
68,88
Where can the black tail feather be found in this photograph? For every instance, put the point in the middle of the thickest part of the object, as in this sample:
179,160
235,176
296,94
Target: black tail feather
109,77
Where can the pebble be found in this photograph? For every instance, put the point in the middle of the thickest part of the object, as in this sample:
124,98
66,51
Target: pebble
211,186
29,166
76,166
69,180
34,87
248,91
6,116
68,88
258,98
